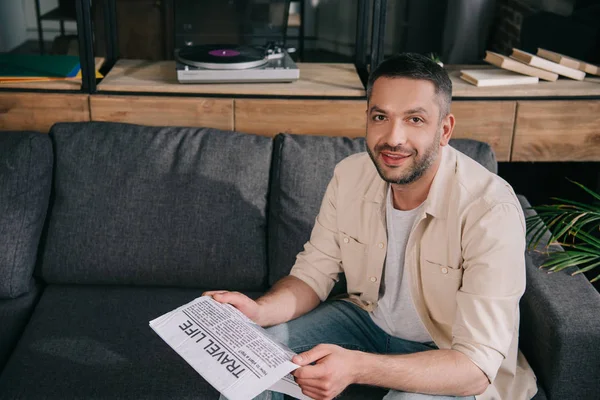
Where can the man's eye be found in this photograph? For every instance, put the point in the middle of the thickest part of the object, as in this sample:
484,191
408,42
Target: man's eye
416,120
378,118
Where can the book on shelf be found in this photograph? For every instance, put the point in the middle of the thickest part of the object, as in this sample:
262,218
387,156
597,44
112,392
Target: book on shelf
21,68
569,61
496,77
542,63
510,64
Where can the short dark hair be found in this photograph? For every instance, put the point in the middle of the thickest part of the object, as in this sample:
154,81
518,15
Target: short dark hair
415,66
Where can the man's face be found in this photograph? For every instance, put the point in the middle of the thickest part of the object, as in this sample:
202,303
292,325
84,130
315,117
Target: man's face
404,128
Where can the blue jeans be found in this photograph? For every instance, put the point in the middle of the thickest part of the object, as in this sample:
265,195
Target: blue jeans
347,325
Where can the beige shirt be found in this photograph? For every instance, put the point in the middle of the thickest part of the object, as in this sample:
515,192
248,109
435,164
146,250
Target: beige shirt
465,254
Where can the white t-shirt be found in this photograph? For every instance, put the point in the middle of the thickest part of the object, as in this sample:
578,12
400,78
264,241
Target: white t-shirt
396,313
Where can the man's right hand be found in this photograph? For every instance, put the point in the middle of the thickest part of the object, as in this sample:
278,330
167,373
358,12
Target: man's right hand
245,304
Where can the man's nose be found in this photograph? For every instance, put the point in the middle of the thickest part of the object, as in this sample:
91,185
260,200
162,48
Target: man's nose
397,134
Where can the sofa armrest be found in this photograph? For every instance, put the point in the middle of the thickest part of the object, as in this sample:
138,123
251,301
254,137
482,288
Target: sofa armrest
560,328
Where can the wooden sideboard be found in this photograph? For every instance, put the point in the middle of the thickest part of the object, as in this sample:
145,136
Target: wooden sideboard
550,121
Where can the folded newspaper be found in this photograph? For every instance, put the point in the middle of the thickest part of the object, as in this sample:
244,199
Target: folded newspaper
236,356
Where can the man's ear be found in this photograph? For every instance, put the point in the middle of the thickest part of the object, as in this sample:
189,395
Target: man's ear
447,127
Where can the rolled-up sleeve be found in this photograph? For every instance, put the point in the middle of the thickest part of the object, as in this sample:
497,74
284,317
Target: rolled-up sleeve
487,316
319,264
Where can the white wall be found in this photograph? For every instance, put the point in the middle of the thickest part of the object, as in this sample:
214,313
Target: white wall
51,28
12,25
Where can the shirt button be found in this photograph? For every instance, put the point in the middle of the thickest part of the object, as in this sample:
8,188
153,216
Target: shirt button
373,279
346,240
380,245
444,270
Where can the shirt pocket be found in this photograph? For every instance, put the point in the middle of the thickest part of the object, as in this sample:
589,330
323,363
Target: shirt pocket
440,286
353,255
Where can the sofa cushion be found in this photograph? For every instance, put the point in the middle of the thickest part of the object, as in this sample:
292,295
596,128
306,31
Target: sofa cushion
94,342
302,167
14,314
25,181
158,206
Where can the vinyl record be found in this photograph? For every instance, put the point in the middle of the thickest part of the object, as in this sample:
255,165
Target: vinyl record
215,56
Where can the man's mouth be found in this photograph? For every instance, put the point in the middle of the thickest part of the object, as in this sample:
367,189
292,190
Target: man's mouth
394,159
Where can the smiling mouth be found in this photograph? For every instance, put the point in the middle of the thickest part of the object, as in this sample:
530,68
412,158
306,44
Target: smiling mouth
394,156
394,159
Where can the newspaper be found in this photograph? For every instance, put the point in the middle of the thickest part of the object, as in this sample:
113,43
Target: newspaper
236,356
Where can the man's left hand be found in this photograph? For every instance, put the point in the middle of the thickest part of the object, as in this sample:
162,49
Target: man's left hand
334,370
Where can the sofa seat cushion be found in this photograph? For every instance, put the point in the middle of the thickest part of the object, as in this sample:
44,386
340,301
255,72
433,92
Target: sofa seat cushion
14,314
25,181
140,205
302,167
94,342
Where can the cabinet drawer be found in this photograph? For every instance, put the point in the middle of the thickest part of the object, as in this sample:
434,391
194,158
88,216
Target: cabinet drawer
39,111
557,131
163,111
311,117
487,121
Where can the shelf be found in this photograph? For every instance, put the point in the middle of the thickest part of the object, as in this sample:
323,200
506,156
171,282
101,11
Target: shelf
325,80
562,88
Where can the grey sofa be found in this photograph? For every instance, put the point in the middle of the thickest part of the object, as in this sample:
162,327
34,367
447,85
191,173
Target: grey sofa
105,226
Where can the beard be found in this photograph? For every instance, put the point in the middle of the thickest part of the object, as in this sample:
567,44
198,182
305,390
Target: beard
421,162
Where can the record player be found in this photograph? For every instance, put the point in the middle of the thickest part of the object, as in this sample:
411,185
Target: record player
235,63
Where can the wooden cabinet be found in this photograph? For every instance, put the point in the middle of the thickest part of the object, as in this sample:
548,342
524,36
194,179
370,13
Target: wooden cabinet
163,111
311,117
487,121
39,111
557,131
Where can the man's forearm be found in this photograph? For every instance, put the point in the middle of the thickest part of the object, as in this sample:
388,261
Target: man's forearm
438,372
289,298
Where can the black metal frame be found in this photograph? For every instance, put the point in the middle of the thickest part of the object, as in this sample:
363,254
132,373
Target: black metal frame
378,32
110,29
362,60
360,46
86,46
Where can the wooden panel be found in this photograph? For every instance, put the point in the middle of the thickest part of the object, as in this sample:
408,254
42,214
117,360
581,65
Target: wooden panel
563,87
163,111
314,117
557,131
161,77
487,121
39,111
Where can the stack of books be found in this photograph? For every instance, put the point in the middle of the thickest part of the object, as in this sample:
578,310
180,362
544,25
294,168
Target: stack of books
36,68
523,68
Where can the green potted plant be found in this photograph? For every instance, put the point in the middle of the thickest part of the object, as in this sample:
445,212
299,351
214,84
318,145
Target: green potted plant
573,225
437,59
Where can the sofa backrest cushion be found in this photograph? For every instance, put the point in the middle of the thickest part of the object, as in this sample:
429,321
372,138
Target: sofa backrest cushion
25,181
158,206
302,167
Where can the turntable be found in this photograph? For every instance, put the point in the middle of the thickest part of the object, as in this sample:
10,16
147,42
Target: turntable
235,63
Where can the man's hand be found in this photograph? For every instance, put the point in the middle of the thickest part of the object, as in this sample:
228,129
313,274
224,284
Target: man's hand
245,304
334,370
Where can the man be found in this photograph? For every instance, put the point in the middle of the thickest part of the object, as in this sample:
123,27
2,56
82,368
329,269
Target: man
432,246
